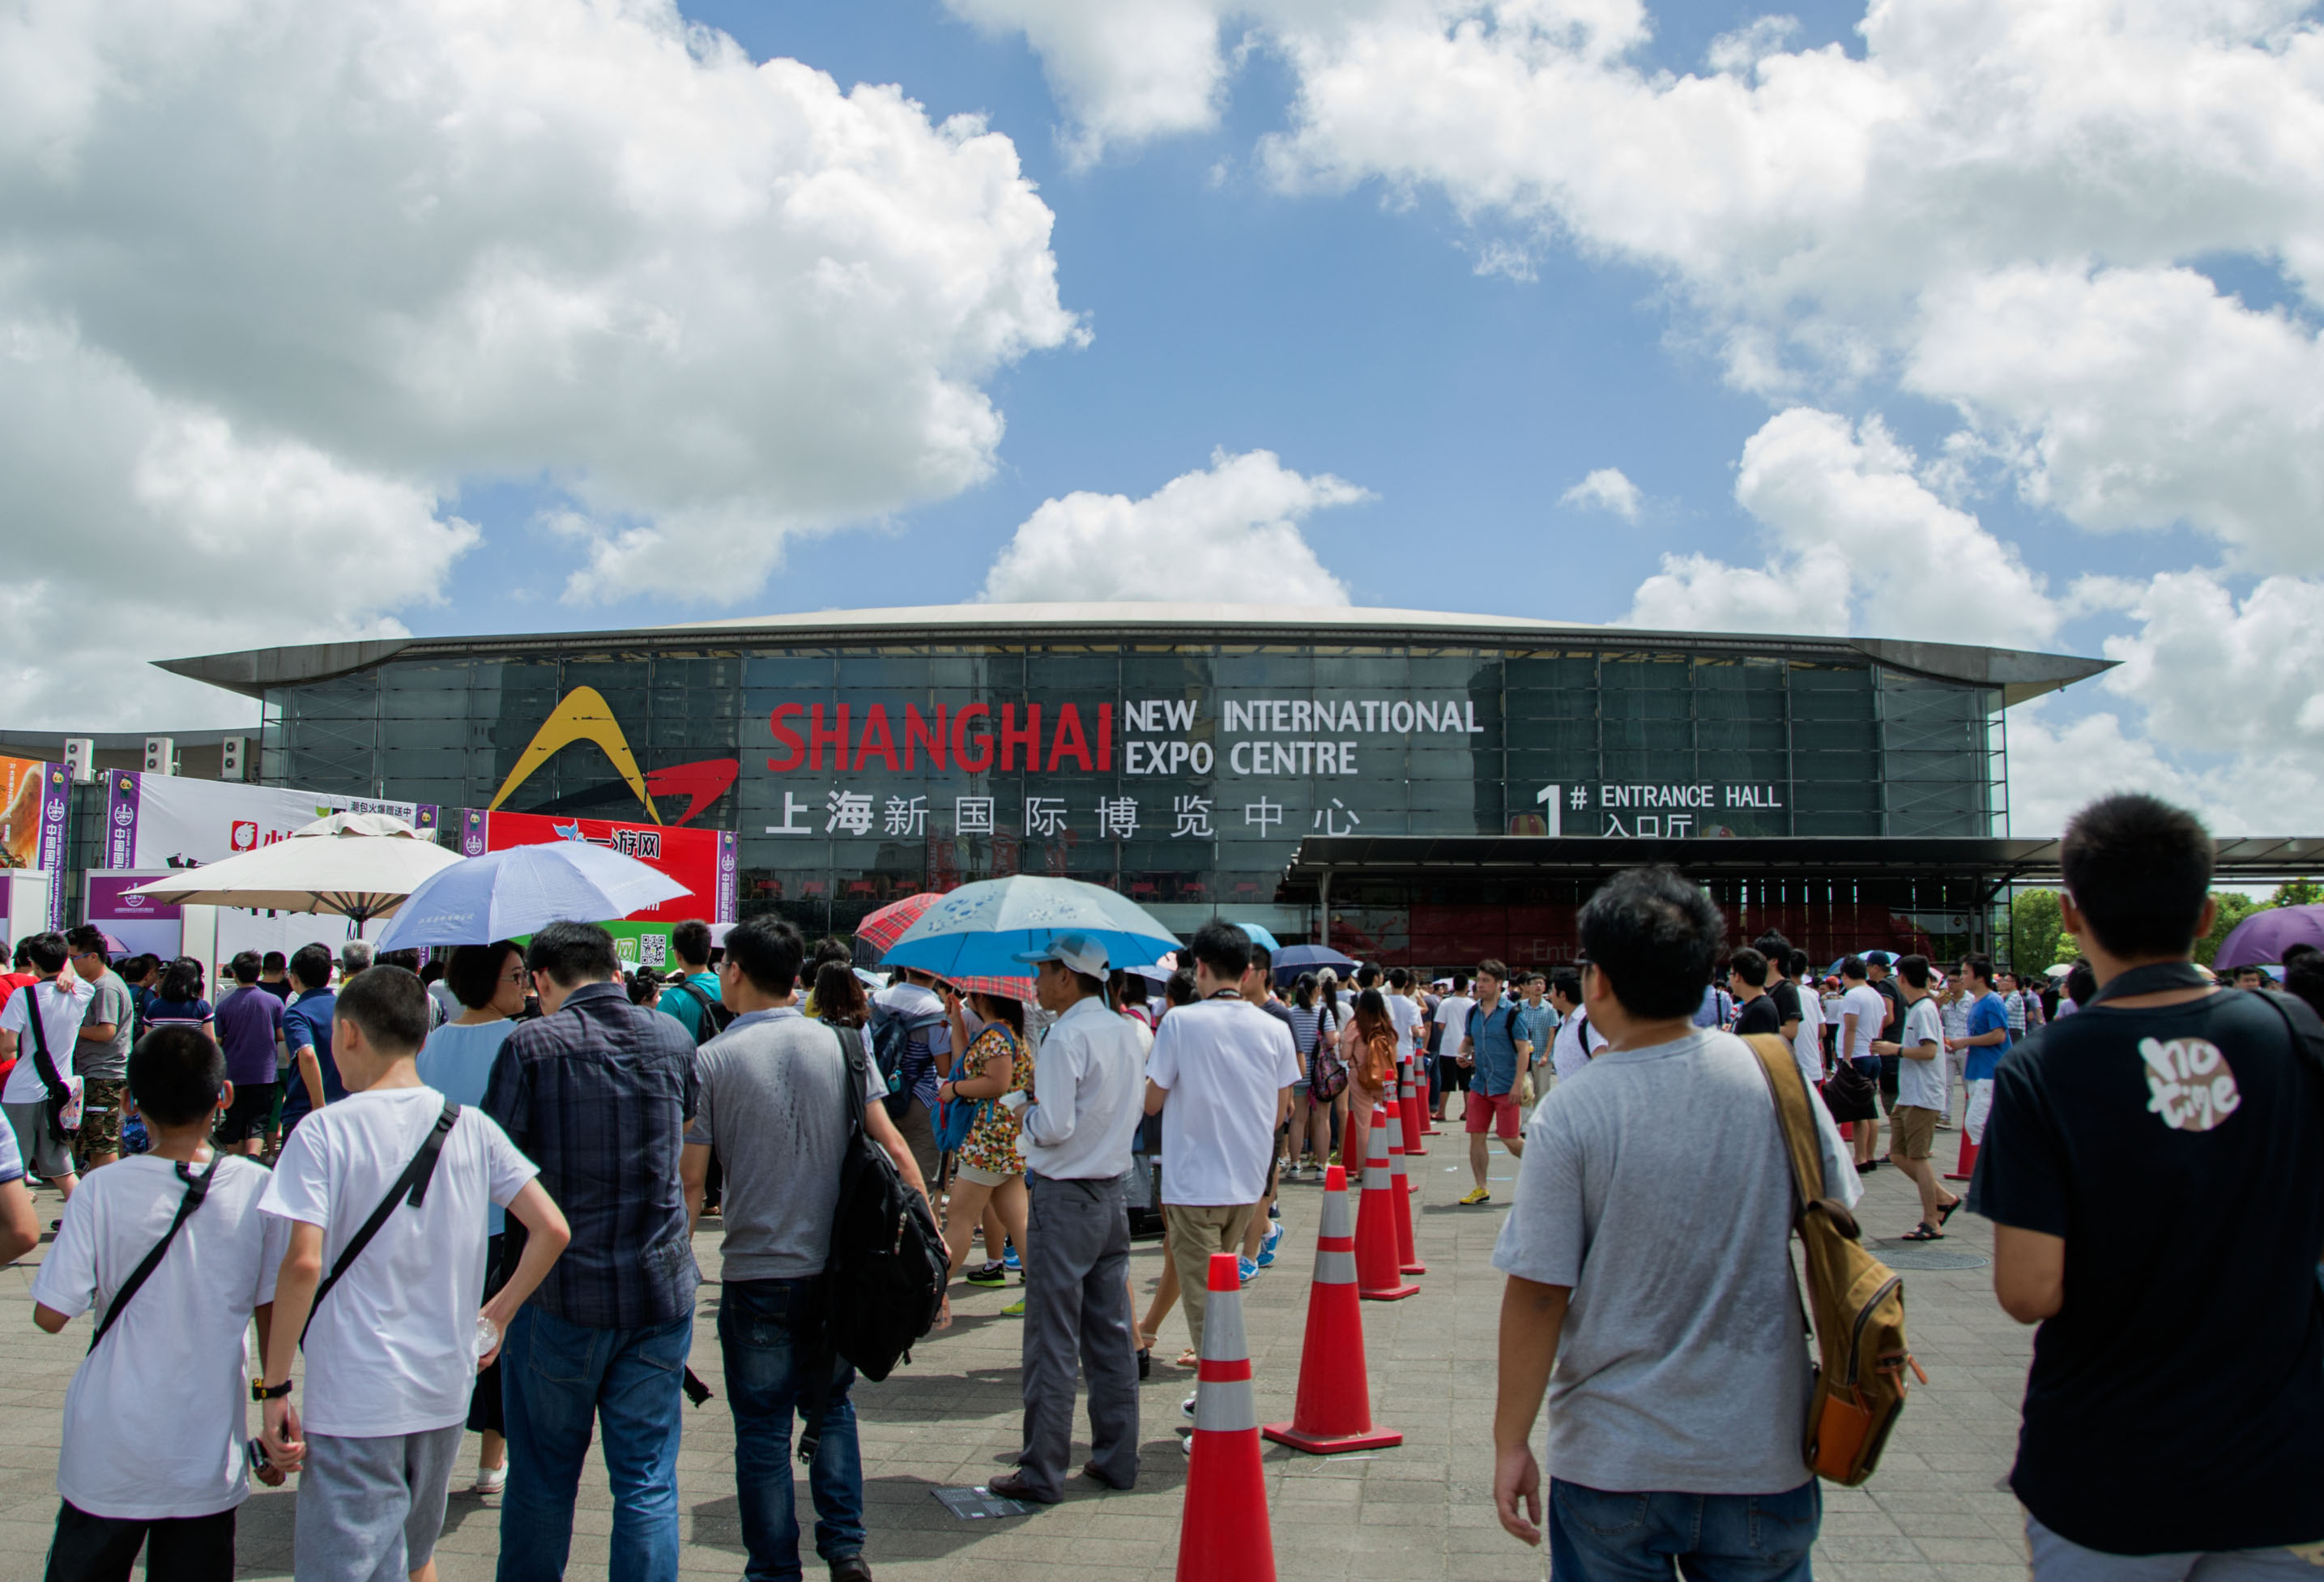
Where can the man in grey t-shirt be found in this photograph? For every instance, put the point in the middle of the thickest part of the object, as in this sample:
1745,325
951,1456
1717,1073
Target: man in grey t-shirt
101,1053
773,1105
1679,1407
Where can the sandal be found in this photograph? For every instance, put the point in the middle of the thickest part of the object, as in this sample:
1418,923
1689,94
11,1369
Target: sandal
1923,1231
1190,1357
1945,1214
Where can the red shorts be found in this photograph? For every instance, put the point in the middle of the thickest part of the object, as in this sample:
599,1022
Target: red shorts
1500,1109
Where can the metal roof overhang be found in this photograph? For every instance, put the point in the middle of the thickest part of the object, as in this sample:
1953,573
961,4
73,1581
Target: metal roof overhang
2018,674
1996,861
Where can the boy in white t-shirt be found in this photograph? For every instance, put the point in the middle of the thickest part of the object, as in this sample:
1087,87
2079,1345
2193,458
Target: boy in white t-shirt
63,998
153,1453
394,1347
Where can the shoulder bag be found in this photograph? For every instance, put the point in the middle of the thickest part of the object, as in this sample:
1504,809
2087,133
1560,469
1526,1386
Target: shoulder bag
410,1187
961,1115
197,1187
64,1092
1855,1301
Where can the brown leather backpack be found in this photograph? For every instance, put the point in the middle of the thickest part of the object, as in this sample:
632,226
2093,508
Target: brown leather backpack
1856,1302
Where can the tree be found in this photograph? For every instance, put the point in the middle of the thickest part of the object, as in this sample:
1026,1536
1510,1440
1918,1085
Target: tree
2300,892
2233,907
2036,931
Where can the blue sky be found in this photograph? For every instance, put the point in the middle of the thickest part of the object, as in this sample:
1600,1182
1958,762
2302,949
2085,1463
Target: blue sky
1981,320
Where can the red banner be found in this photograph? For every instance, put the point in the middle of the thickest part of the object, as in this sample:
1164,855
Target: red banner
689,856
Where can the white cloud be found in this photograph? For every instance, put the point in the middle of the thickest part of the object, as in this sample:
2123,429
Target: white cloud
307,269
2221,675
1997,201
1855,541
1124,73
1605,489
2140,398
1229,534
142,527
2058,766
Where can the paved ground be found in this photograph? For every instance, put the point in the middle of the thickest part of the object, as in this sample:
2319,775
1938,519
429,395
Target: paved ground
1422,1511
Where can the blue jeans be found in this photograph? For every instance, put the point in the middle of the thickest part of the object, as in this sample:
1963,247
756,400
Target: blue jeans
558,1381
1595,1536
768,1330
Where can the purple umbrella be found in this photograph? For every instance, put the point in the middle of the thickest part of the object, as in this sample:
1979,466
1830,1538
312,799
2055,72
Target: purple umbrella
2264,936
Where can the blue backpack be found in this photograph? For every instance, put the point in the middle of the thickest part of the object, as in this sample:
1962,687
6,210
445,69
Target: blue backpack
892,1034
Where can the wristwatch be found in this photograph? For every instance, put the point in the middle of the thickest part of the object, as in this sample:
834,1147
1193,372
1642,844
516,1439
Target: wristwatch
259,1391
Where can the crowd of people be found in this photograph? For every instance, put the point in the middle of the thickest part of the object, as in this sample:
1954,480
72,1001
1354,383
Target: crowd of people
468,1191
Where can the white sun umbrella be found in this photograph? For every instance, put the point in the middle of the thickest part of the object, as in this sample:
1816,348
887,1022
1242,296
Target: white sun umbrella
357,864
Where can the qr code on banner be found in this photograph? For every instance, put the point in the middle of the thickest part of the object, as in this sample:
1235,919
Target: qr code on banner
653,949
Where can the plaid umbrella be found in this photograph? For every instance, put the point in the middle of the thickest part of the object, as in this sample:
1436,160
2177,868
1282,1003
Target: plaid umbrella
886,926
1016,988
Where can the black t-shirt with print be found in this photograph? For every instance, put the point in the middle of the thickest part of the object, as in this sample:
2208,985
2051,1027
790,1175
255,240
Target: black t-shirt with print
1895,1022
2176,1400
1787,998
1760,1015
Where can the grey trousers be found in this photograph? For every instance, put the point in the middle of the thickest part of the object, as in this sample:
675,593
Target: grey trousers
370,1510
919,1134
1078,1302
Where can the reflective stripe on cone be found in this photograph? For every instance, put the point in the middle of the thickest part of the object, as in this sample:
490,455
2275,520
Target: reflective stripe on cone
1380,1273
1333,1413
1223,1531
1401,1190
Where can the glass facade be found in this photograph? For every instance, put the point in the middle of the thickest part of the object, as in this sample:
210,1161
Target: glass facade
1183,773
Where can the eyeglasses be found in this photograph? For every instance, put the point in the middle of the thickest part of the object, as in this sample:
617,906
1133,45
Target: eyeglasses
519,975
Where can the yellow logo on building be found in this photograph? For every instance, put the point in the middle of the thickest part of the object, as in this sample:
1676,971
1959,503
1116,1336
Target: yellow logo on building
583,715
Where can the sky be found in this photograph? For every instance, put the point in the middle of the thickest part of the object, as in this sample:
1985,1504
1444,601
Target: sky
1989,321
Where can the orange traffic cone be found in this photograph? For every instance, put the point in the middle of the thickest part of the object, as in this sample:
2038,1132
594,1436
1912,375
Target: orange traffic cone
1967,1164
1401,1190
1423,1099
1416,1123
1223,1535
1378,1260
1334,1409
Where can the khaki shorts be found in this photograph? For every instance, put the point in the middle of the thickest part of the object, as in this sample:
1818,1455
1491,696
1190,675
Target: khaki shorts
100,1115
1911,1131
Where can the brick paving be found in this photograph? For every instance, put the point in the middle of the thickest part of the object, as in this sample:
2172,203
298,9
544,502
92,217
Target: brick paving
1934,1513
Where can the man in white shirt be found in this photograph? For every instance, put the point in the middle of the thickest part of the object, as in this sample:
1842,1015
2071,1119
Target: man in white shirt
1076,1128
1451,1027
1919,1096
1224,1069
1807,1042
392,1345
63,1001
1666,1432
1577,1041
1863,1014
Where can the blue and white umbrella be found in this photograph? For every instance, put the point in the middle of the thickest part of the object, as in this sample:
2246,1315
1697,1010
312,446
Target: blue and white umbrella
980,929
524,889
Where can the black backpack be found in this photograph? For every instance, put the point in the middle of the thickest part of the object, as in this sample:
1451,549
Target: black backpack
885,1280
893,1033
716,1018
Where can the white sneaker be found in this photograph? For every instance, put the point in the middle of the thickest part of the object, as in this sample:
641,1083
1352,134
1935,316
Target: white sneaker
490,1480
1186,1409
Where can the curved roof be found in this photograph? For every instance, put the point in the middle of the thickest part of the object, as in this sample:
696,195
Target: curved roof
2020,674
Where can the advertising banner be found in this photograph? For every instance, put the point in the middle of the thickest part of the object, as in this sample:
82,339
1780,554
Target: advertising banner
694,858
33,797
147,926
166,821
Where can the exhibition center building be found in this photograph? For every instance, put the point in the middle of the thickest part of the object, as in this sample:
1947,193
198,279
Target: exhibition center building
1194,757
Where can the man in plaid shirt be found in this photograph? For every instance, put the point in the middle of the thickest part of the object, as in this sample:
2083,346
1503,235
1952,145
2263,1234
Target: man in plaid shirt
598,1092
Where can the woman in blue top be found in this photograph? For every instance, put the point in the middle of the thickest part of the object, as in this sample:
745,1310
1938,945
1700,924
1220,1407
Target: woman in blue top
181,1001
491,981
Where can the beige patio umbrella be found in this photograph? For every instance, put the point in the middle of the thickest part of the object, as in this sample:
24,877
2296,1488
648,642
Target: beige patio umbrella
355,865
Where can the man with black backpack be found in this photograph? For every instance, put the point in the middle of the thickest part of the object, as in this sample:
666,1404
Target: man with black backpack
2182,1345
774,1104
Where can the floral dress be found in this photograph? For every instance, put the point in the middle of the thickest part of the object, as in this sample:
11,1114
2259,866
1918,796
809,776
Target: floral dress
993,1141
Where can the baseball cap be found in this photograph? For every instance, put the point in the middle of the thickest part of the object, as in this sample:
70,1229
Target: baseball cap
1078,952
1878,959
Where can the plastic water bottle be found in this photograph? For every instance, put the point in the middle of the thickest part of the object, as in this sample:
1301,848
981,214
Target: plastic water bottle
488,1335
